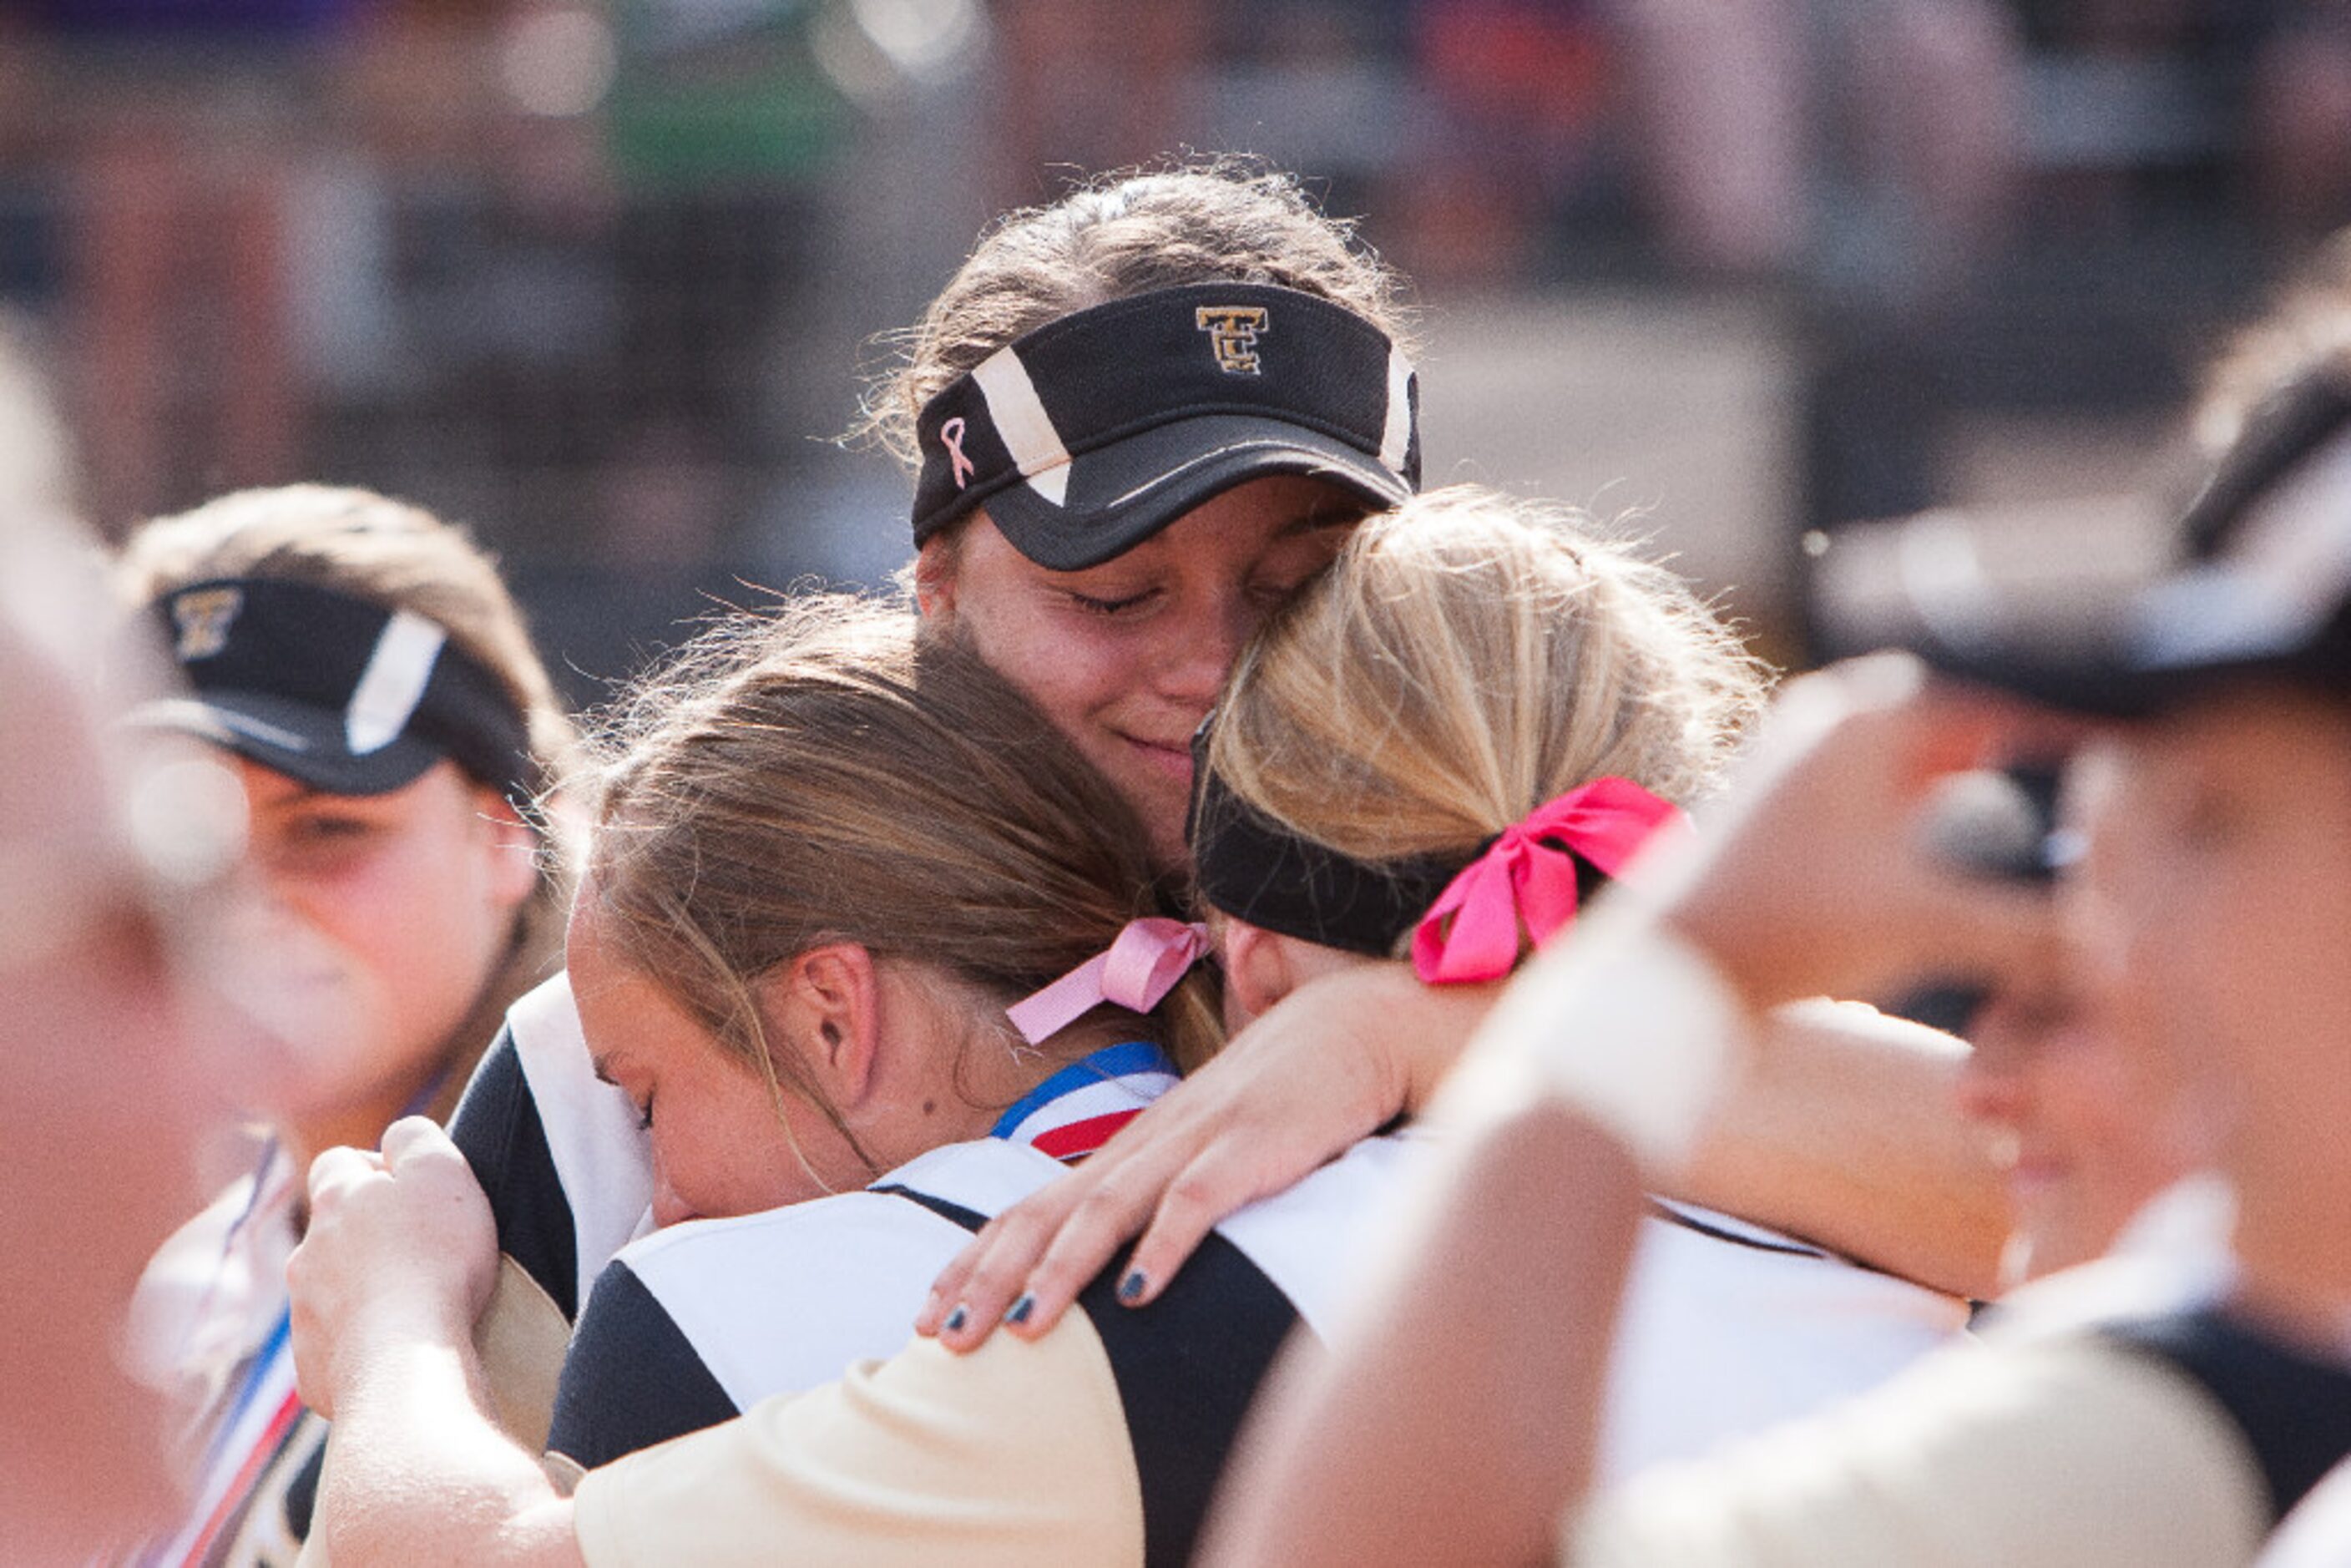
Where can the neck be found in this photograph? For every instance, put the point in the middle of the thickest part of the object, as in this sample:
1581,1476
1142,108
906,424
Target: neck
2294,1256
360,1125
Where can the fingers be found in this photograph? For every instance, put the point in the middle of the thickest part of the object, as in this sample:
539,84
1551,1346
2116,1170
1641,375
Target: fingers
338,1170
1111,1214
1991,930
948,1289
311,1345
414,1138
999,1261
1204,1194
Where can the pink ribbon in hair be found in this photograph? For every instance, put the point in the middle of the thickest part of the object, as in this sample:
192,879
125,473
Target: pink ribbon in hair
1527,878
1142,966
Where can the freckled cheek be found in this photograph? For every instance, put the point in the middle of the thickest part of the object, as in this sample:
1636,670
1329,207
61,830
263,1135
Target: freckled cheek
1082,693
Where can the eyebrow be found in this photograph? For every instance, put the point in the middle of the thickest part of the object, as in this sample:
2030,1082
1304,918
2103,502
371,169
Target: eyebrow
601,1066
1324,515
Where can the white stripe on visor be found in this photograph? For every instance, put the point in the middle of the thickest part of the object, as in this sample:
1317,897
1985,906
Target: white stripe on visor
2298,536
1023,423
2283,572
1396,440
393,682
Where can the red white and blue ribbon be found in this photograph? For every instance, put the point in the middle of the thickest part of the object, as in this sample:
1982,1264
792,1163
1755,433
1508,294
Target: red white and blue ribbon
1074,1111
248,1437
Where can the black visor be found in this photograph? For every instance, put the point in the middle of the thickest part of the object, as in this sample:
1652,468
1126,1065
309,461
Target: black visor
2257,584
1093,433
335,691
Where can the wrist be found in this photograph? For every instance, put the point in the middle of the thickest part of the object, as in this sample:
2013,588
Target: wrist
1632,1024
416,1310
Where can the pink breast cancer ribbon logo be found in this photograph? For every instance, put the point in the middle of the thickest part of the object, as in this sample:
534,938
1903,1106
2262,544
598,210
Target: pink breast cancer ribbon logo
951,437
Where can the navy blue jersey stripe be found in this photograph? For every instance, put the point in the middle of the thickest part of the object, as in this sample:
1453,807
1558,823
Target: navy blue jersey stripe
632,1378
954,1213
497,1129
1187,1367
1673,1215
2294,1409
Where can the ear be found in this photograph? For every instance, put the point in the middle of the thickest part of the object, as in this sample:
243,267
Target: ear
514,852
1258,970
934,578
825,1003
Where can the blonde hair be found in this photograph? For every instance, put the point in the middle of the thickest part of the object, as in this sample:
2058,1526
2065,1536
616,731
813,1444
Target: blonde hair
401,556
825,774
1214,220
1467,657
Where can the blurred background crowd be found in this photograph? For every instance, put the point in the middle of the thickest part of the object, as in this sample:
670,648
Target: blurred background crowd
597,276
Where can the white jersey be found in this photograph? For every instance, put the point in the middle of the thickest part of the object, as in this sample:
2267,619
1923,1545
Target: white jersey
1727,1328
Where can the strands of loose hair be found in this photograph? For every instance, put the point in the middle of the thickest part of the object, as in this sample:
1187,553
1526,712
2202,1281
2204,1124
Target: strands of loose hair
1467,657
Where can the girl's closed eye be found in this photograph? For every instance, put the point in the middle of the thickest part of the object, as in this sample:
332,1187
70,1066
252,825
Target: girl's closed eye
1121,604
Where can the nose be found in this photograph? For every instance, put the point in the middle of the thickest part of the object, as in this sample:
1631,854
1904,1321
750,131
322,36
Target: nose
1202,648
1991,1080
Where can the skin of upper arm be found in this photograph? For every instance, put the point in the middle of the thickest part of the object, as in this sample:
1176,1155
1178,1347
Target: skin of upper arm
1844,1129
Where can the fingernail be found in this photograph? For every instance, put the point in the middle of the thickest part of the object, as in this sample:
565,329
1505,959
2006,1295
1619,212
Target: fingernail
1021,1308
955,1320
1131,1287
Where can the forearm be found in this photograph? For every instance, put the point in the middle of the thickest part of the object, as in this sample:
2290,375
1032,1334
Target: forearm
1494,1323
1417,1032
1844,1130
418,1472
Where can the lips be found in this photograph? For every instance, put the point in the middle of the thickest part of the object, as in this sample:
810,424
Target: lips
1175,760
2034,1177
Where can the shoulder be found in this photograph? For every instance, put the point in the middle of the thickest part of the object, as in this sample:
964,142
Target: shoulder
785,1299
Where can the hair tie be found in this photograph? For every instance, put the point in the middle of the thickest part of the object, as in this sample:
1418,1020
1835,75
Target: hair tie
1526,877
1140,966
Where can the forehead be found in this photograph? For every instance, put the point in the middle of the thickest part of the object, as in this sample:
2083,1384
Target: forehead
2254,735
625,1012
1228,533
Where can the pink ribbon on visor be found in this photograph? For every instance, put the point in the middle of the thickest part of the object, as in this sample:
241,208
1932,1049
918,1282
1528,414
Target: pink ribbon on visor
951,437
1472,931
1142,966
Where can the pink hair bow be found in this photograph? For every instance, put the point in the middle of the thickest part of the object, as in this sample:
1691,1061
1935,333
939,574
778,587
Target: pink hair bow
1140,966
1472,931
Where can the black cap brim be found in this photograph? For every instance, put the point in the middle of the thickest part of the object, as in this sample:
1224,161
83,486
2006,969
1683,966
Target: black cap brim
299,739
1120,494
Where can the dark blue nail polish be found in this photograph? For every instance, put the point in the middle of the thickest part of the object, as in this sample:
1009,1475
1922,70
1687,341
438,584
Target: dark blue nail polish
1021,1308
1130,1289
955,1320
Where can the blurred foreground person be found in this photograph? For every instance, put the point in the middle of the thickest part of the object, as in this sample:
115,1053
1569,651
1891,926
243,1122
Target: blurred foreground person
358,665
113,1072
2091,1126
2173,1424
